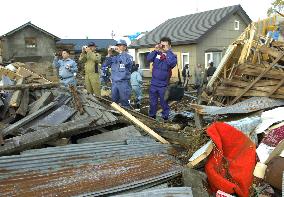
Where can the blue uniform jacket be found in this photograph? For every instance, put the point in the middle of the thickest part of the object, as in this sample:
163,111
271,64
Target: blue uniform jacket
120,66
162,64
62,66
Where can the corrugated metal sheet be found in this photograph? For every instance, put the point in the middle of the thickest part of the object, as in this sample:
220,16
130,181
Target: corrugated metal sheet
166,192
247,106
80,169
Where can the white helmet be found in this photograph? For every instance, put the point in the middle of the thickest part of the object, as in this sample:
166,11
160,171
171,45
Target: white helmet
11,67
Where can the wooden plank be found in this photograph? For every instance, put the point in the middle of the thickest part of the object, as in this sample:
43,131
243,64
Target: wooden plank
56,117
270,51
45,99
39,137
276,87
139,123
239,83
24,106
29,86
10,74
234,91
31,75
10,129
17,95
273,74
200,154
258,78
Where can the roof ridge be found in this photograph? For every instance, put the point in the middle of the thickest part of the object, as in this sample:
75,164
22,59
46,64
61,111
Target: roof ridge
237,5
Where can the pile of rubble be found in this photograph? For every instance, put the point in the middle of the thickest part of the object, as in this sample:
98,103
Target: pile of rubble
246,88
63,141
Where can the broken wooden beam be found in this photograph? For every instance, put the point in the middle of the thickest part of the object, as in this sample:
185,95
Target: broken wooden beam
10,129
145,119
24,106
17,95
77,100
139,123
39,137
235,91
45,99
9,73
258,78
276,87
29,86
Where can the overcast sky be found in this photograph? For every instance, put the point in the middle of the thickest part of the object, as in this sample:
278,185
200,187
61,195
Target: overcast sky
97,18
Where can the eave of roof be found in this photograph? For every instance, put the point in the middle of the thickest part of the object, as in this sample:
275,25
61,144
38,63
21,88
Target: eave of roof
32,25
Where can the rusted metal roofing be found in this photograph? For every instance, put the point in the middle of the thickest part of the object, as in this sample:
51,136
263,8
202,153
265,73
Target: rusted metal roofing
165,192
86,169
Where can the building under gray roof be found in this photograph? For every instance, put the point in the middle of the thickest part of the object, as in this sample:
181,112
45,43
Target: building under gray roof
78,43
191,28
31,25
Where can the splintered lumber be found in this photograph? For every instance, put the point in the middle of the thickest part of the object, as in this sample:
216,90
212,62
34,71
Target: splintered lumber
200,154
77,99
257,69
258,78
39,137
17,95
24,106
58,116
139,123
9,73
234,91
276,87
145,119
31,76
29,86
10,129
45,99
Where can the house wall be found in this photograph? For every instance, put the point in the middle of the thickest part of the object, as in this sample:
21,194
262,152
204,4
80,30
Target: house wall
220,38
14,46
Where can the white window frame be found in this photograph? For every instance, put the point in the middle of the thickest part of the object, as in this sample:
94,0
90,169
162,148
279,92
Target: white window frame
207,59
139,61
237,25
182,61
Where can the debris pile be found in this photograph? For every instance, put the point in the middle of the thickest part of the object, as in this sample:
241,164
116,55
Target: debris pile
70,143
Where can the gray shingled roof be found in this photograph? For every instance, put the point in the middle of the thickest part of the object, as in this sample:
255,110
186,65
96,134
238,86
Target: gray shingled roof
78,43
190,28
32,25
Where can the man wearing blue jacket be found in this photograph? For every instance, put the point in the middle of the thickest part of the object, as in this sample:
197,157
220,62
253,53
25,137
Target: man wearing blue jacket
67,68
164,60
120,73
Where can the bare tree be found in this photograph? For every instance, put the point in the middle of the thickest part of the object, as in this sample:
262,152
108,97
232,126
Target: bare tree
277,6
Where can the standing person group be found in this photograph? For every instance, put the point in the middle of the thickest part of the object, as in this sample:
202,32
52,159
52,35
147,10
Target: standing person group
121,65
67,68
91,59
163,61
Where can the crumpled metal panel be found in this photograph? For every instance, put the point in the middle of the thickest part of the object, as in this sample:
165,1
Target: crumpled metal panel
94,168
165,192
246,106
247,126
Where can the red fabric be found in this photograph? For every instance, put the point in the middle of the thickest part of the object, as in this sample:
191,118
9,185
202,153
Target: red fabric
239,151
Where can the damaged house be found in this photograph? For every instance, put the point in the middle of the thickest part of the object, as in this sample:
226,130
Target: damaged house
28,43
196,38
